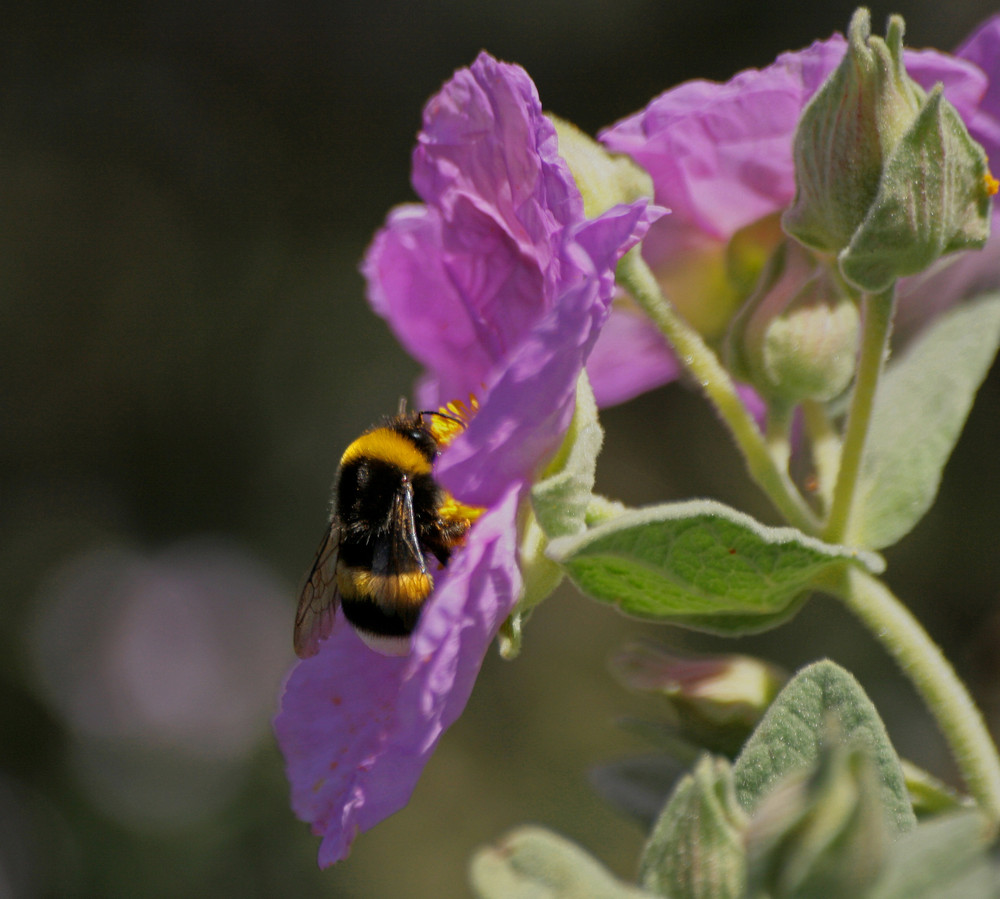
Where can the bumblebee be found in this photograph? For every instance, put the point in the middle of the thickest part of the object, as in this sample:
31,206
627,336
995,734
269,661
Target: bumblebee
390,522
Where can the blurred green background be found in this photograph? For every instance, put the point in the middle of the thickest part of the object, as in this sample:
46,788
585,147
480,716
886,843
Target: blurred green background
185,192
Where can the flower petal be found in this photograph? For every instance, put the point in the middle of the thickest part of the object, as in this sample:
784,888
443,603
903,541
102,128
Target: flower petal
529,402
721,154
357,727
460,282
983,49
409,287
629,358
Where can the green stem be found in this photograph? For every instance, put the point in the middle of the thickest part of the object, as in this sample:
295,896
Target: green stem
945,695
704,365
878,312
777,435
825,446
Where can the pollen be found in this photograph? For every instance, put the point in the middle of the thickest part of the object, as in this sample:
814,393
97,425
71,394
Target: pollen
992,185
452,510
454,419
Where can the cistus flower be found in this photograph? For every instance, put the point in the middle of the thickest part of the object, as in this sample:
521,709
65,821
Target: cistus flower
720,155
499,286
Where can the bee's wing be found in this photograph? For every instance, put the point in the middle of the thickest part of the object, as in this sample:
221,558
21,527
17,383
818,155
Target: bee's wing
400,552
318,603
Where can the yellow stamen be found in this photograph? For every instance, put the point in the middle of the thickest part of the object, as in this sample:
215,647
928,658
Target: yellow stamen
454,419
446,429
992,185
452,510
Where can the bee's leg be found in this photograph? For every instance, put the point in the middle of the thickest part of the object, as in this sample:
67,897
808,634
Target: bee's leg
444,538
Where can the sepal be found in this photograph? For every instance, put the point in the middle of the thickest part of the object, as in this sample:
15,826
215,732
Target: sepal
797,337
604,179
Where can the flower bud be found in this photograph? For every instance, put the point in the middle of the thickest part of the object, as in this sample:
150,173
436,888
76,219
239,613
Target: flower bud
715,701
820,832
797,337
886,176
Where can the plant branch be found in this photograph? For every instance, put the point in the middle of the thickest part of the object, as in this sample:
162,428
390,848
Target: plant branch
704,365
947,698
878,311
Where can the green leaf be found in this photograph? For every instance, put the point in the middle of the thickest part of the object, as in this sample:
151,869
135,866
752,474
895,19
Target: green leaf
562,495
533,863
560,501
919,412
699,564
789,739
944,858
928,795
696,849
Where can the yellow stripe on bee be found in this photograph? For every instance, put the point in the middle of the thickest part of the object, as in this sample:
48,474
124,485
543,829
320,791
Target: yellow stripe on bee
385,445
407,589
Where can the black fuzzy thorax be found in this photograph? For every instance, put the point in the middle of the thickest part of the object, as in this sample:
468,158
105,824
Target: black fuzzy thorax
366,499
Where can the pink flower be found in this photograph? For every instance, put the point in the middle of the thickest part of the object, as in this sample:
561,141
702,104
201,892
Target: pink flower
720,156
499,286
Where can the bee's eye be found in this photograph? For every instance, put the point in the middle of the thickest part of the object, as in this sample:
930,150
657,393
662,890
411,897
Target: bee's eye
424,441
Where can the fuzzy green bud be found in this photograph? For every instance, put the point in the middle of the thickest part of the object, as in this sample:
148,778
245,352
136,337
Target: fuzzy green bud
886,175
933,199
821,832
797,337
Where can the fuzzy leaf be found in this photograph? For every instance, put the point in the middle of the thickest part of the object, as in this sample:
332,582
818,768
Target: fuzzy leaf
699,564
821,833
944,858
562,495
696,849
789,738
920,409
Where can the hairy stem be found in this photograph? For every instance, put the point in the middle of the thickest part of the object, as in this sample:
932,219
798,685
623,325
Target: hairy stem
704,365
942,691
878,310
825,443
